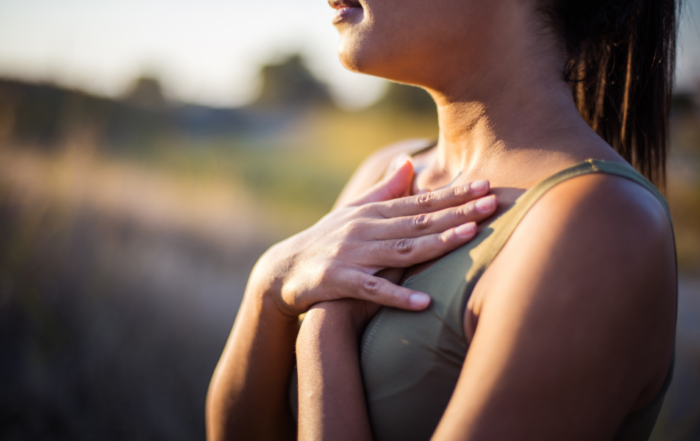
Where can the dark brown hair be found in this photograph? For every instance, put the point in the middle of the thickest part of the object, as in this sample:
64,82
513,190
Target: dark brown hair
621,62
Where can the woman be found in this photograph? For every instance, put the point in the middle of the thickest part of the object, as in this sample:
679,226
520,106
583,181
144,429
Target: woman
556,318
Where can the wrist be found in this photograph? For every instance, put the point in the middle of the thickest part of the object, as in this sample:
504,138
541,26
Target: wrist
334,319
262,299
266,282
325,322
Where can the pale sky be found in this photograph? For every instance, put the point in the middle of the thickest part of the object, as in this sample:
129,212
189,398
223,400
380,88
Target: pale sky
205,51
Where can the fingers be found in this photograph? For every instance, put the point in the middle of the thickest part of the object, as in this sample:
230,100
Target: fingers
395,185
429,223
432,201
375,289
407,252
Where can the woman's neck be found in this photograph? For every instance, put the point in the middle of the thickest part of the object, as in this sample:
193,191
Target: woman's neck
518,122
505,101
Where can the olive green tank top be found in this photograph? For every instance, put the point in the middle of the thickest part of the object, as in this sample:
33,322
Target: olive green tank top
411,361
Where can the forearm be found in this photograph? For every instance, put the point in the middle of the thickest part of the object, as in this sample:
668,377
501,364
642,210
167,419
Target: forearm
331,393
336,258
247,396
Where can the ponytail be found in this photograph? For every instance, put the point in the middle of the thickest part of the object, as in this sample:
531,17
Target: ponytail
621,62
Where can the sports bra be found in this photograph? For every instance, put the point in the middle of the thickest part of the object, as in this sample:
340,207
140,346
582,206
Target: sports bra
411,361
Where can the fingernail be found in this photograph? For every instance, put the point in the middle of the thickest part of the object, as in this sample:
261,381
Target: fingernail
486,204
465,229
480,186
419,300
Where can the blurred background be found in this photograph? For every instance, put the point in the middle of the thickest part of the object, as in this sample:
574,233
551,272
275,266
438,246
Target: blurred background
151,150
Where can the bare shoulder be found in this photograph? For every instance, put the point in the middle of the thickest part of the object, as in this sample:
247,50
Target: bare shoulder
584,294
604,242
614,225
620,204
600,227
608,211
373,168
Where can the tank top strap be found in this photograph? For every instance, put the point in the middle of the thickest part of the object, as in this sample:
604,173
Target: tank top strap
504,226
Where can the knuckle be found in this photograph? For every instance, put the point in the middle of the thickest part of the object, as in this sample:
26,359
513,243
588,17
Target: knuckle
404,246
366,210
426,200
354,227
466,210
444,238
459,191
371,286
421,221
400,296
378,209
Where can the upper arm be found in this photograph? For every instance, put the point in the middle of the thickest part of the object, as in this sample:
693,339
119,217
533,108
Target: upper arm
576,318
374,167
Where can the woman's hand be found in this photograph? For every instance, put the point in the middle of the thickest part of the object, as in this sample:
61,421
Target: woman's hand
337,258
340,255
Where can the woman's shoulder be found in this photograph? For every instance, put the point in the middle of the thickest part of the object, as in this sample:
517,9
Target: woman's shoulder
375,166
592,262
602,230
603,207
599,226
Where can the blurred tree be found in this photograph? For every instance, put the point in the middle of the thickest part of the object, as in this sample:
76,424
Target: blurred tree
289,84
406,99
147,92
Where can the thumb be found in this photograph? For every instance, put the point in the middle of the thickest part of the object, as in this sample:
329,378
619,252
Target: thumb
396,184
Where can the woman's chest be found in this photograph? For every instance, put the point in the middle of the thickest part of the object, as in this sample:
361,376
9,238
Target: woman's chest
411,361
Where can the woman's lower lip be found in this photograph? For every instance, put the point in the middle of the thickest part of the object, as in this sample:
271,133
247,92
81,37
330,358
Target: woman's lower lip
342,14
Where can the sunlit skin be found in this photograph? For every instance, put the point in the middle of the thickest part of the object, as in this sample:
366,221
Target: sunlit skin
590,267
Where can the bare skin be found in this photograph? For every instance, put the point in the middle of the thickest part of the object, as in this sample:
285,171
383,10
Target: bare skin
339,257
598,273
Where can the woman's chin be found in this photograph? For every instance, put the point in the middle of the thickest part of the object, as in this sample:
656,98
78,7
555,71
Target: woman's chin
350,54
350,62
359,57
359,52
